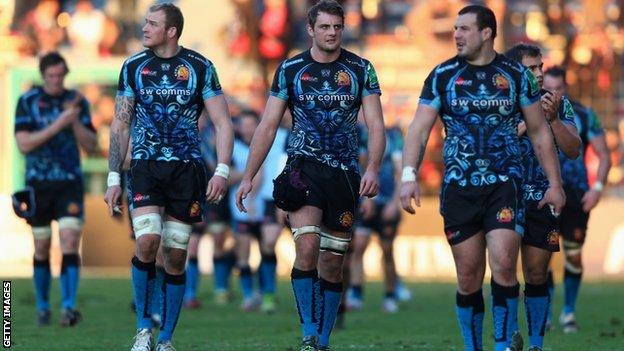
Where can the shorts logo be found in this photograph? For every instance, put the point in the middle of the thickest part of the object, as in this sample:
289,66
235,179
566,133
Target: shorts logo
140,197
463,82
500,82
346,219
306,77
342,78
194,211
450,235
553,238
505,215
73,208
182,72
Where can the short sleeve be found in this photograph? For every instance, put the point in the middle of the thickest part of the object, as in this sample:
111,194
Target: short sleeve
212,86
529,89
279,87
566,112
23,118
595,128
371,82
85,114
123,87
430,95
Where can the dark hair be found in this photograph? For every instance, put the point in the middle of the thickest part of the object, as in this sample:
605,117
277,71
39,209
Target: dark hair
556,71
173,16
51,59
519,51
485,17
331,7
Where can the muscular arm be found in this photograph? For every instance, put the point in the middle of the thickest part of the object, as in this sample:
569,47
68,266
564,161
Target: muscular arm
417,136
599,143
218,111
120,132
567,138
85,136
542,142
373,116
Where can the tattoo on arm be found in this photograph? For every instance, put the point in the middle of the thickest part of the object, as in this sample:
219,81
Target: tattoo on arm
124,109
114,153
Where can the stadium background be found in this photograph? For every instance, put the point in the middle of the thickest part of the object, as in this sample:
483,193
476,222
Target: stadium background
246,39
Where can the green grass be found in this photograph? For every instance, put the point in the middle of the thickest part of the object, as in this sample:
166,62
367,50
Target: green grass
425,323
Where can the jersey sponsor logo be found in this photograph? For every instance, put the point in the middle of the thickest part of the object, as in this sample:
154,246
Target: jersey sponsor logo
533,86
289,63
326,97
307,77
195,209
73,208
346,219
342,78
481,103
140,197
450,235
505,215
463,82
372,76
182,72
165,91
147,72
500,82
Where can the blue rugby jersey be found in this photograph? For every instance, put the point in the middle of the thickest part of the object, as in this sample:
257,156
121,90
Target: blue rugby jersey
59,158
535,180
387,171
169,95
480,107
324,100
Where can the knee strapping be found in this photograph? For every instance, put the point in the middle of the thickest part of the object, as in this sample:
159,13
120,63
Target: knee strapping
150,223
309,229
176,235
42,232
334,244
73,223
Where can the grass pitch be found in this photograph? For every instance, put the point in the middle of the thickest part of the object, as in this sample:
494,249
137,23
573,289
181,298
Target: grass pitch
425,323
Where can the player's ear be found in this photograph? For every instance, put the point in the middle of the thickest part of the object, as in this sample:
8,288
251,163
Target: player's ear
310,30
486,33
172,32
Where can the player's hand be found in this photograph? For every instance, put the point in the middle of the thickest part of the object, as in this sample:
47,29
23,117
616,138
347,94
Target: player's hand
390,211
68,117
555,198
409,191
590,199
550,105
244,188
112,199
522,128
217,186
367,208
369,186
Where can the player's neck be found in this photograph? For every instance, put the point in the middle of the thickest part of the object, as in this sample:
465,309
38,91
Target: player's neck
483,57
167,50
322,56
53,92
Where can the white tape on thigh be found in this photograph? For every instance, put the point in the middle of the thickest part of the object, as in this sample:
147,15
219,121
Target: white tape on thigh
308,229
334,244
73,223
149,223
217,227
572,268
42,232
176,235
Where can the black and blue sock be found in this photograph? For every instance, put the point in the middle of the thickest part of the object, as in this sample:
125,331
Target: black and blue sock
470,311
173,295
143,283
305,288
70,274
536,302
41,278
331,297
505,313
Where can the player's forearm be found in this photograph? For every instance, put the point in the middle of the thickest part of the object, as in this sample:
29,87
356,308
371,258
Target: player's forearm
415,145
376,146
85,137
604,159
224,141
543,145
260,144
119,137
567,138
29,141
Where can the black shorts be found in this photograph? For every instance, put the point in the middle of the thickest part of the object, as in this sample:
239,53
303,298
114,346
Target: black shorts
334,191
469,210
219,212
178,186
573,219
243,227
270,212
56,199
541,228
386,230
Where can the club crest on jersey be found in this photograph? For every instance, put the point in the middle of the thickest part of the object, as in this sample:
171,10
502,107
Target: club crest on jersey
325,72
307,77
73,208
346,219
505,215
553,238
463,82
500,82
147,72
182,72
342,78
195,209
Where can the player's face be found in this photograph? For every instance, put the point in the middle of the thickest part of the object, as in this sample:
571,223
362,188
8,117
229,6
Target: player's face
468,38
154,32
535,65
247,127
53,78
327,32
555,84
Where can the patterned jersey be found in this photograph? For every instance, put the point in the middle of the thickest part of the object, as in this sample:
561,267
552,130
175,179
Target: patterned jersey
169,95
574,172
480,107
58,159
387,170
535,180
324,100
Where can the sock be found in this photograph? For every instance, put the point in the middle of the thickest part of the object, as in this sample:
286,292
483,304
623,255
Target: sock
536,302
357,291
306,297
156,304
550,282
571,283
70,272
192,279
220,273
41,277
143,281
173,294
246,282
267,270
470,311
332,295
390,295
505,313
